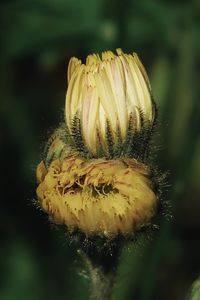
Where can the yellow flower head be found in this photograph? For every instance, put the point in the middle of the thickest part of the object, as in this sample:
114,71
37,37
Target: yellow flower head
94,178
108,94
98,196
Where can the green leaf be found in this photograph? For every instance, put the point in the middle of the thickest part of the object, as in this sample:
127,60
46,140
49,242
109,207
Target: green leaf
195,292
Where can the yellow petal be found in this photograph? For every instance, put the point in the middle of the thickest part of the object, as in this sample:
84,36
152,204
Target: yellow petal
107,55
74,93
116,80
142,69
90,106
73,64
132,96
106,97
92,59
143,90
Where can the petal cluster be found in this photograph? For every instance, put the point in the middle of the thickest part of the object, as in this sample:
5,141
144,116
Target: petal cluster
98,196
105,93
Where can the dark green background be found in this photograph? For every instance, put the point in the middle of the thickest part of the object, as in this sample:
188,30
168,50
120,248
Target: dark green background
37,39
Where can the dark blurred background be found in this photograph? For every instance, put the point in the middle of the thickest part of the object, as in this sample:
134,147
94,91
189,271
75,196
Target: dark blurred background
37,40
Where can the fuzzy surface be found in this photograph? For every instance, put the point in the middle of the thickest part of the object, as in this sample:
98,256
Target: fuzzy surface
97,196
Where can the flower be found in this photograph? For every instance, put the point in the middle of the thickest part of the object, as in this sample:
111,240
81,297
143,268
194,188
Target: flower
108,96
98,196
94,176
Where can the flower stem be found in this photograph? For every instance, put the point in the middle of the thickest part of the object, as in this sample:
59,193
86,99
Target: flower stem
101,281
102,268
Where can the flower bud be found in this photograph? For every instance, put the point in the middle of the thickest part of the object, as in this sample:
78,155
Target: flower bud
111,97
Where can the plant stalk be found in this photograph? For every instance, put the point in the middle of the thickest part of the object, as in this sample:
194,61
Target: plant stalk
102,269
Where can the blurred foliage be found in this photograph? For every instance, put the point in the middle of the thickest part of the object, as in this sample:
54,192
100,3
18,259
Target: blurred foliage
195,291
38,38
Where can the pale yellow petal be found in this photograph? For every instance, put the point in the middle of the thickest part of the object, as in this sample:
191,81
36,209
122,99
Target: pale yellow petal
92,59
143,90
132,96
73,96
108,55
142,69
116,80
90,106
73,64
101,123
119,51
106,97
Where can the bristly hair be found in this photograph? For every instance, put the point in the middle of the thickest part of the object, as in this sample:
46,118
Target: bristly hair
119,143
152,129
109,140
142,138
77,137
100,148
137,143
130,132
